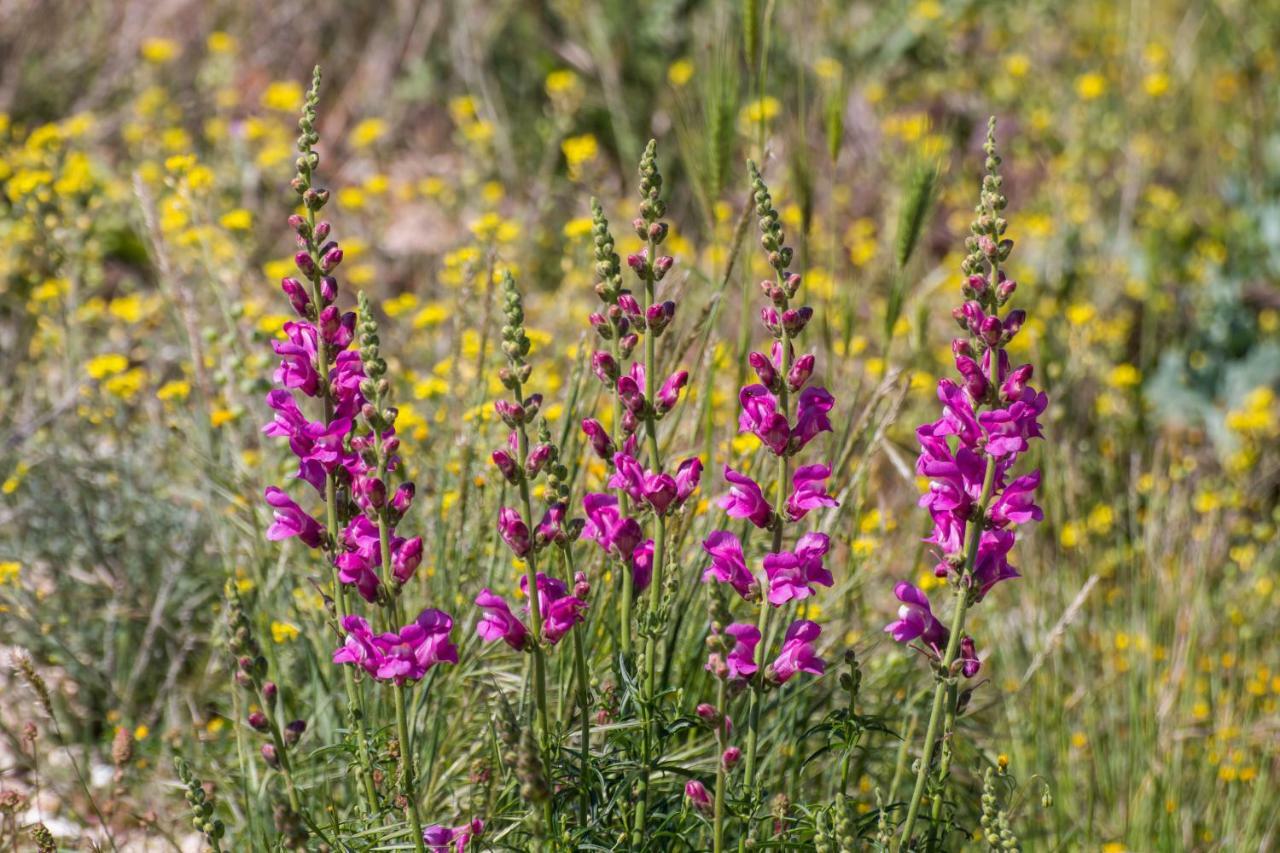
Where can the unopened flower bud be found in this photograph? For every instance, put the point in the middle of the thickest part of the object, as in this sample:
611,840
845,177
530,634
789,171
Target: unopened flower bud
604,366
800,372
258,721
293,731
765,370
269,756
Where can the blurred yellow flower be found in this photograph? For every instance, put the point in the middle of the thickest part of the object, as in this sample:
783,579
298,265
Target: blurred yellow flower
401,304
827,68
561,82
577,228
432,314
1124,376
367,132
1090,86
760,111
1017,65
9,572
283,632
158,51
107,364
283,95
1156,83
578,151
680,72
220,42
176,389
237,220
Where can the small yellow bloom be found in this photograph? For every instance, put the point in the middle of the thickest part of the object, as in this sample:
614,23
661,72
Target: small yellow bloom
578,151
178,389
1017,65
1124,376
9,572
1156,83
1090,86
577,228
220,42
220,416
827,68
284,96
761,111
237,220
283,632
107,364
561,82
141,732
680,72
159,51
367,132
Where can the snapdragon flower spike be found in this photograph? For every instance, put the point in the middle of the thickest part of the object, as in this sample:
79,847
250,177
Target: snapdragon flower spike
398,656
989,417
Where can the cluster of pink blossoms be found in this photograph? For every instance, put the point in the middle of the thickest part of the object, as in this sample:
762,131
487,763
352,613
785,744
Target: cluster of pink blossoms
335,457
988,418
521,462
789,575
620,325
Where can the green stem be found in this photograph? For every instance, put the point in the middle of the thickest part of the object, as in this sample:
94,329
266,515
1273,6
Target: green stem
944,759
628,579
584,700
718,831
779,509
406,768
659,555
364,772
542,731
945,679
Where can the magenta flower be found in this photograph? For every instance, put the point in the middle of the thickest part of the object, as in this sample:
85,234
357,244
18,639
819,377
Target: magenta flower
669,392
290,520
406,559
697,794
616,534
400,656
969,663
439,838
797,653
808,492
688,475
916,619
298,358
792,573
1016,504
642,565
741,659
660,491
498,622
560,610
728,565
811,416
514,531
745,500
598,437
760,417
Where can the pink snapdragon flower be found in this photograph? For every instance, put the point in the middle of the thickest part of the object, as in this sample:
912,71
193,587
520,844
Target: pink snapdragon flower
728,565
291,520
398,656
745,499
792,574
797,653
